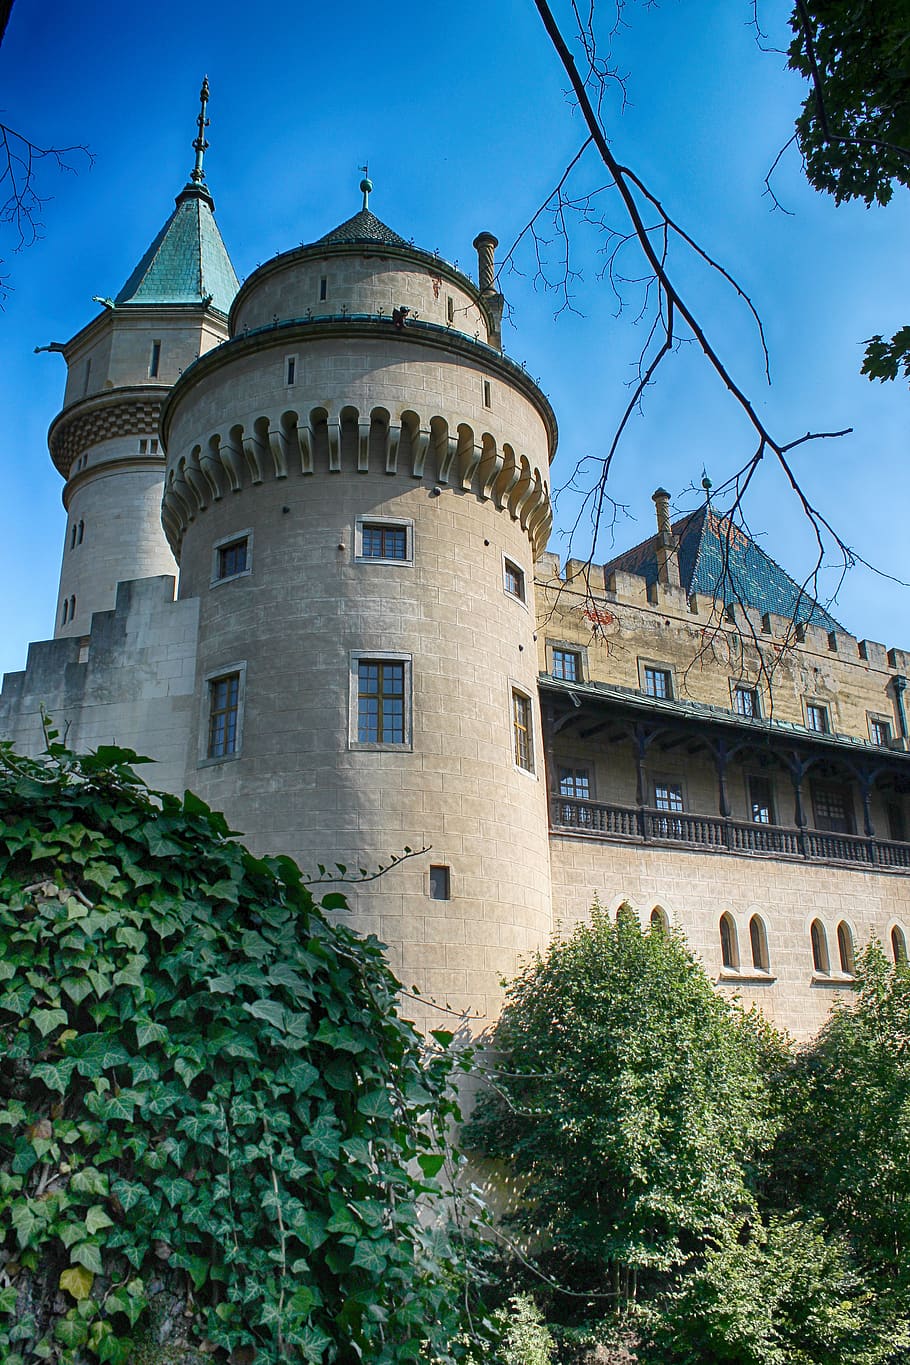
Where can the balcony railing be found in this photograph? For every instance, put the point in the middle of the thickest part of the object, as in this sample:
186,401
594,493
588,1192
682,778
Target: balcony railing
720,835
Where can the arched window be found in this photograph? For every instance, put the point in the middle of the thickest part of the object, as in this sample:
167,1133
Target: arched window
758,937
819,947
729,951
898,945
659,919
845,948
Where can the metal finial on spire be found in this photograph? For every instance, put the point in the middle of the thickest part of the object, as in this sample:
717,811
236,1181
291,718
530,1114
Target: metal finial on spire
366,185
200,144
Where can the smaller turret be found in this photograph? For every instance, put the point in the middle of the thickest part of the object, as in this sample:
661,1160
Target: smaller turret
120,367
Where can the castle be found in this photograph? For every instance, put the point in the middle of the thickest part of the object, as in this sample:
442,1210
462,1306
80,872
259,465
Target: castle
369,648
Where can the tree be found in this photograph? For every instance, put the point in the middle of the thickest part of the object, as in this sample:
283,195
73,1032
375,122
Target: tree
845,1152
216,1132
854,129
630,1102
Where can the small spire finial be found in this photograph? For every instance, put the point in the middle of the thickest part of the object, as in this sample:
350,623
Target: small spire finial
706,483
366,185
199,143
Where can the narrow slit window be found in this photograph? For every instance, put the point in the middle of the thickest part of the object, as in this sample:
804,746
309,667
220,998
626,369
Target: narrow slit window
155,360
450,309
819,947
81,535
521,730
323,289
758,939
224,713
845,948
66,611
487,394
290,375
729,950
73,535
440,883
88,375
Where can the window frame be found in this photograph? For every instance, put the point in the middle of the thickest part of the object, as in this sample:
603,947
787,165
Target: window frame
758,944
655,666
224,543
818,944
445,880
823,790
380,656
517,693
739,688
810,705
751,804
511,566
382,522
291,370
204,757
873,720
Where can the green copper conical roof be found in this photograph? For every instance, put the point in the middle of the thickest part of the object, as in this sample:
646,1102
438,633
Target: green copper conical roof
187,262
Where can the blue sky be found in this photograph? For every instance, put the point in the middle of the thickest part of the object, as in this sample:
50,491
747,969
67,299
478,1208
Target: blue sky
462,114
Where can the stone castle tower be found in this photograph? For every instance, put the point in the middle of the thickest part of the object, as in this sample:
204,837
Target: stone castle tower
370,649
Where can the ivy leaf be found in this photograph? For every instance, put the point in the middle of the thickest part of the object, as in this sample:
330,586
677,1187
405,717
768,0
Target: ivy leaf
26,1222
369,1257
269,1010
375,1104
97,1052
46,1021
431,1163
96,1219
148,1031
88,1254
77,1281
55,1075
17,999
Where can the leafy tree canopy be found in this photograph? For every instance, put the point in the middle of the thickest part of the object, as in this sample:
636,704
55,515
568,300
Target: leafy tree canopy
205,1086
631,1102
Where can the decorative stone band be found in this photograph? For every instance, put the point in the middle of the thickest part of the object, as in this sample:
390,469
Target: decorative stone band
131,411
291,445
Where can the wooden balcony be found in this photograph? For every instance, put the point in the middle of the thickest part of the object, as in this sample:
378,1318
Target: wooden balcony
716,834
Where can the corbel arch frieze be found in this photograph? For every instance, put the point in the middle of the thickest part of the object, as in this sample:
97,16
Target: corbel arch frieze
292,443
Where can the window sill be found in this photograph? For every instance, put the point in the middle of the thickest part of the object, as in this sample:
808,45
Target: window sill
727,974
836,979
229,578
218,758
376,747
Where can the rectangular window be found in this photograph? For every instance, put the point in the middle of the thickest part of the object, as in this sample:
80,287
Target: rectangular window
380,701
232,558
668,795
521,731
155,360
513,579
575,783
761,804
658,682
817,718
566,665
880,731
450,309
745,701
380,541
897,825
224,713
290,370
323,289
487,394
440,883
148,445
833,804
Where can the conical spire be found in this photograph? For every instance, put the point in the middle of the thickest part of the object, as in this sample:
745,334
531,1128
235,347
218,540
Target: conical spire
188,261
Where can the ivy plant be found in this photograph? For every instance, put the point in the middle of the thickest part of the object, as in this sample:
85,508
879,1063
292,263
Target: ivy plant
205,1087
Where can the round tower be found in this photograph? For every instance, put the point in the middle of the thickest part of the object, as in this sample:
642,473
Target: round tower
356,491
105,440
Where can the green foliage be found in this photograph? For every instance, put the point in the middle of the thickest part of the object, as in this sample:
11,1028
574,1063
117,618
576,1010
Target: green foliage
855,134
524,1338
885,360
780,1294
204,1082
846,1151
631,1101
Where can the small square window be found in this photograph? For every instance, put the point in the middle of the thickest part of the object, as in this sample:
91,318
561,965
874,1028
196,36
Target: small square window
522,733
440,883
817,718
668,795
567,665
745,701
384,542
148,445
232,558
880,731
513,579
575,782
658,682
224,715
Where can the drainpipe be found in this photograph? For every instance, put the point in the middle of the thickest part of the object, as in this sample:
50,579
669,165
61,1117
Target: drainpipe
900,687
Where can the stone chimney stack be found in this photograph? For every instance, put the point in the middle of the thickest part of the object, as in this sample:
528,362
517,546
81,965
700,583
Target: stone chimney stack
667,543
485,245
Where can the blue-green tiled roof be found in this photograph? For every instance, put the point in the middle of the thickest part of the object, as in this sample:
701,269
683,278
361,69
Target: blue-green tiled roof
187,262
363,227
724,563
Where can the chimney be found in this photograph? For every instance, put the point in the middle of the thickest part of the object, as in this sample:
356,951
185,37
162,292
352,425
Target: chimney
667,543
485,245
